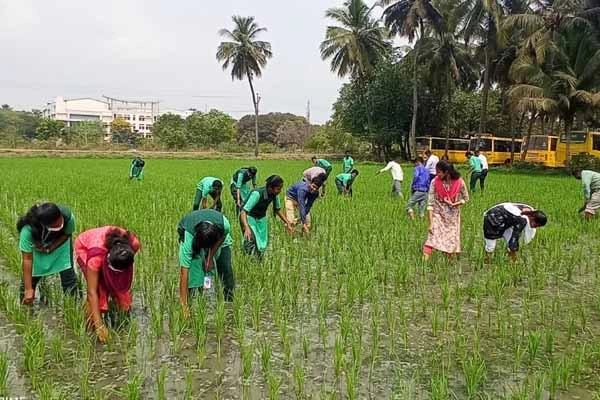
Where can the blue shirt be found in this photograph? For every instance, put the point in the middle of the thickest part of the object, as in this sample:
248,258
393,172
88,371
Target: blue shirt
300,192
420,179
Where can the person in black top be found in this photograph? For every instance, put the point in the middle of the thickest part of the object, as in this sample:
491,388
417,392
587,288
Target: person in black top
510,221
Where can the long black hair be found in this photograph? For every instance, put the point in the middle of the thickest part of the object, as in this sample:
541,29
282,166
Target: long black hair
39,217
448,168
120,252
274,181
538,216
205,236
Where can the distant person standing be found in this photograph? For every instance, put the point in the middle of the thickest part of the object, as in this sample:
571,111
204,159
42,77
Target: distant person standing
419,189
431,161
348,163
344,182
484,168
314,172
510,221
326,165
474,170
212,187
591,191
302,196
136,171
397,175
240,185
447,194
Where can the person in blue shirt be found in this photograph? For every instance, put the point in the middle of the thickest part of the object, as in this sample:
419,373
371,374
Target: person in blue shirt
419,189
302,196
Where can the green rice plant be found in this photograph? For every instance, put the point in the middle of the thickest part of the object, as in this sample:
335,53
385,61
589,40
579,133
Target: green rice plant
554,374
219,318
305,346
274,386
346,323
56,348
533,345
189,379
351,383
518,354
474,370
256,303
133,387
247,355
266,351
571,328
299,382
338,357
539,383
323,332
583,318
34,350
435,322
4,374
85,389
438,387
160,383
579,362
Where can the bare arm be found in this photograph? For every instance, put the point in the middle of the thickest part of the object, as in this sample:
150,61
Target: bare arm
92,298
58,242
216,200
27,278
204,203
247,230
183,286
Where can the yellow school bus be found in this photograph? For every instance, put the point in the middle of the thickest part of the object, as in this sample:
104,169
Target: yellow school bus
581,142
497,149
437,145
542,150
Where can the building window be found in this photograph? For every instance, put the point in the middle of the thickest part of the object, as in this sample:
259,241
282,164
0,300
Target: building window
141,118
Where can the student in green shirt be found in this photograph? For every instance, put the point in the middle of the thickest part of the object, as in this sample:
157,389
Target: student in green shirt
591,191
45,242
348,163
475,169
344,182
204,242
212,187
253,218
240,185
326,165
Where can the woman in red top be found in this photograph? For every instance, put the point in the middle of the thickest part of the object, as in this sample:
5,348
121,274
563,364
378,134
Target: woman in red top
105,256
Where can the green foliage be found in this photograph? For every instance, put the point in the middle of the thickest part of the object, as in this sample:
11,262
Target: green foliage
121,132
50,129
17,124
86,133
329,139
585,161
169,130
210,129
269,127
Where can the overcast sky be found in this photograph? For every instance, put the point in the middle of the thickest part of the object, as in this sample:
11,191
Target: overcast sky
162,50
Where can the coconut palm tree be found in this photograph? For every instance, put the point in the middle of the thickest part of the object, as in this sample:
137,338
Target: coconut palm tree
356,43
412,19
246,56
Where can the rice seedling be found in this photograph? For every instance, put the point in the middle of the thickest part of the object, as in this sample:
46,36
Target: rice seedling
299,381
133,387
4,374
474,370
266,351
160,383
274,383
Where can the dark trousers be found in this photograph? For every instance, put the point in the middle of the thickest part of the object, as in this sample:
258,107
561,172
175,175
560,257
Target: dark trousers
198,199
482,179
475,176
68,281
340,187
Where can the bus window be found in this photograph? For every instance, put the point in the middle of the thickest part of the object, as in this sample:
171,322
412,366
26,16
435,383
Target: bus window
503,146
596,142
517,147
438,144
422,143
460,145
481,144
553,142
538,143
576,137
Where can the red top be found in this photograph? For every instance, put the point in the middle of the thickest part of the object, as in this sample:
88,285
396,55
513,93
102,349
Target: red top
97,238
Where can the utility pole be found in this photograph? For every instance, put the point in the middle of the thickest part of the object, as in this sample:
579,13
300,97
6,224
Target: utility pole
308,126
256,123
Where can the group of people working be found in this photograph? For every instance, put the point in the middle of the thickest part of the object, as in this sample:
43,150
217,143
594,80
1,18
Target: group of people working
105,255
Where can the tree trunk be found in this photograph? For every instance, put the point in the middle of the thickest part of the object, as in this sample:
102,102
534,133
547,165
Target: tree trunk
412,139
486,89
568,127
255,103
529,129
447,144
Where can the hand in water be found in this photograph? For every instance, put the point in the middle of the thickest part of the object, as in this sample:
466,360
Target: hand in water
248,234
102,333
28,297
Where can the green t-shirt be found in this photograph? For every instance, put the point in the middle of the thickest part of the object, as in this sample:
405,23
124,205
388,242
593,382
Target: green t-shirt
239,176
475,163
323,163
205,185
55,262
346,179
196,264
255,198
348,164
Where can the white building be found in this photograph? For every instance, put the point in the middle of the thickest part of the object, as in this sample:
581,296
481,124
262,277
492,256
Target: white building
72,111
182,113
140,114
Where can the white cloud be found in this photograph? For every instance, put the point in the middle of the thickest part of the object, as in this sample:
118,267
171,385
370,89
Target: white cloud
17,16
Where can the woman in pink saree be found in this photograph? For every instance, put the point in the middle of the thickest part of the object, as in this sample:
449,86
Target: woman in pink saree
447,194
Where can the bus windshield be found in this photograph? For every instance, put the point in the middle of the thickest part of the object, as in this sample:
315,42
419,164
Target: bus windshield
576,137
481,144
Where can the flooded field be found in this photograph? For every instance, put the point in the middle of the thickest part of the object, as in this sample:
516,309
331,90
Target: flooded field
350,312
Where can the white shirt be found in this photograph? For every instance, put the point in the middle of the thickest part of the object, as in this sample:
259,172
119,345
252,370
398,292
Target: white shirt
396,169
431,163
484,163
